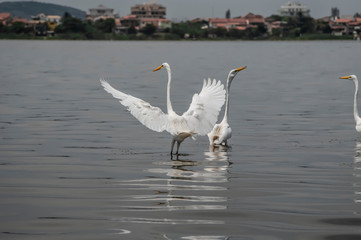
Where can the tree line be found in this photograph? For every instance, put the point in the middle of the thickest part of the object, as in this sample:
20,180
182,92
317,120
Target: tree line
75,28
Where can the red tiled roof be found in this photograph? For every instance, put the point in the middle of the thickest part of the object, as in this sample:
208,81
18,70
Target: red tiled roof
4,15
342,20
354,23
256,20
240,28
23,20
227,21
129,17
224,25
155,20
336,27
251,15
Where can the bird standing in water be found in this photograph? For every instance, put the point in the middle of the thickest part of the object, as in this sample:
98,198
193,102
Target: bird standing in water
199,119
221,132
355,110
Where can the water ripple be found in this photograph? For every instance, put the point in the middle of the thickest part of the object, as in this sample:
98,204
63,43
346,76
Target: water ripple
205,238
357,176
166,220
180,185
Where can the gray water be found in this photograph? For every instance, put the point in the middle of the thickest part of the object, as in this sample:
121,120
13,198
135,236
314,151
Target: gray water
74,164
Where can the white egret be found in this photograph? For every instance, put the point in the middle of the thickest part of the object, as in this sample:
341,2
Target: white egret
199,119
355,110
221,132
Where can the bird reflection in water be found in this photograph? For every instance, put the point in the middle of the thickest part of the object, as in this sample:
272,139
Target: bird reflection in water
357,174
194,185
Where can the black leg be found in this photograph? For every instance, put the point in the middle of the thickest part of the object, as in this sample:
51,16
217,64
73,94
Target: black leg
178,144
171,149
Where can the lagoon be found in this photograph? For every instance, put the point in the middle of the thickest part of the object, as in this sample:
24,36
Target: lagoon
74,164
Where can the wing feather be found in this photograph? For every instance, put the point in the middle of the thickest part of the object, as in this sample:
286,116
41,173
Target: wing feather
204,109
152,117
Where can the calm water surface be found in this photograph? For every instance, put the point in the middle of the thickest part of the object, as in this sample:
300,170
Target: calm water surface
74,164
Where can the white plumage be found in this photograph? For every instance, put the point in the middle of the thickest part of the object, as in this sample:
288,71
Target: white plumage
197,120
221,132
355,110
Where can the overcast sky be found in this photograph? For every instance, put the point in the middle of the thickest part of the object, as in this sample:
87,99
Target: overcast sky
190,9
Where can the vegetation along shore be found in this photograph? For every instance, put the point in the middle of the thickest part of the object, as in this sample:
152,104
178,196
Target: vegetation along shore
102,24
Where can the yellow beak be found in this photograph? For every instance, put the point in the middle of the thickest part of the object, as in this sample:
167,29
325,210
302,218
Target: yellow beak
241,68
158,68
345,77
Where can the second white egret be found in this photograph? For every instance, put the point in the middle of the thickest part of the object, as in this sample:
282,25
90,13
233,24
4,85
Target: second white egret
221,132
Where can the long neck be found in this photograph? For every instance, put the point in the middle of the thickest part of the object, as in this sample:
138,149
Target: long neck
169,104
355,109
225,118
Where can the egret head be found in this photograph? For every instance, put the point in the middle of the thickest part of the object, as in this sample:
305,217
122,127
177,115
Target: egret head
350,77
234,72
164,65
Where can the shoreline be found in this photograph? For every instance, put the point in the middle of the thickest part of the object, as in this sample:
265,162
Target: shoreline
117,38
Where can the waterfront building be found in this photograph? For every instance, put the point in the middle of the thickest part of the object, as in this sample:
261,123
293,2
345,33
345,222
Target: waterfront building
148,10
232,23
240,23
100,12
44,24
142,15
52,21
129,21
5,18
294,9
254,19
160,23
346,26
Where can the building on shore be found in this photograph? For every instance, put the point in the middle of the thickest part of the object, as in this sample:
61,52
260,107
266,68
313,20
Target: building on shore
160,23
5,18
346,26
100,12
44,24
228,23
240,23
148,10
254,19
142,15
294,9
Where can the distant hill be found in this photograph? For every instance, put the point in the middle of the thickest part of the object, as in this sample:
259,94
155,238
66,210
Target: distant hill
26,9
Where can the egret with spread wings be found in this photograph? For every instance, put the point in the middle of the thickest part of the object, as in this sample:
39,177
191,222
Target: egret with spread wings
221,132
197,120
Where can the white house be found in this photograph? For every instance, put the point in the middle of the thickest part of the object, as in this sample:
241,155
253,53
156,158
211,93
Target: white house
100,12
294,9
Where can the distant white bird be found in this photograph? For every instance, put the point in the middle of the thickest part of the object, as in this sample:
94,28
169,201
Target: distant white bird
222,132
197,120
355,110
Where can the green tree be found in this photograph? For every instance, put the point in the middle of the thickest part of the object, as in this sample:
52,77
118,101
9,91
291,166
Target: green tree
306,24
132,30
323,27
149,29
70,25
218,32
235,33
17,27
105,26
262,29
90,31
3,28
193,29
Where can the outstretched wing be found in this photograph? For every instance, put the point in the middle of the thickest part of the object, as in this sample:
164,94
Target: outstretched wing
204,109
151,117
